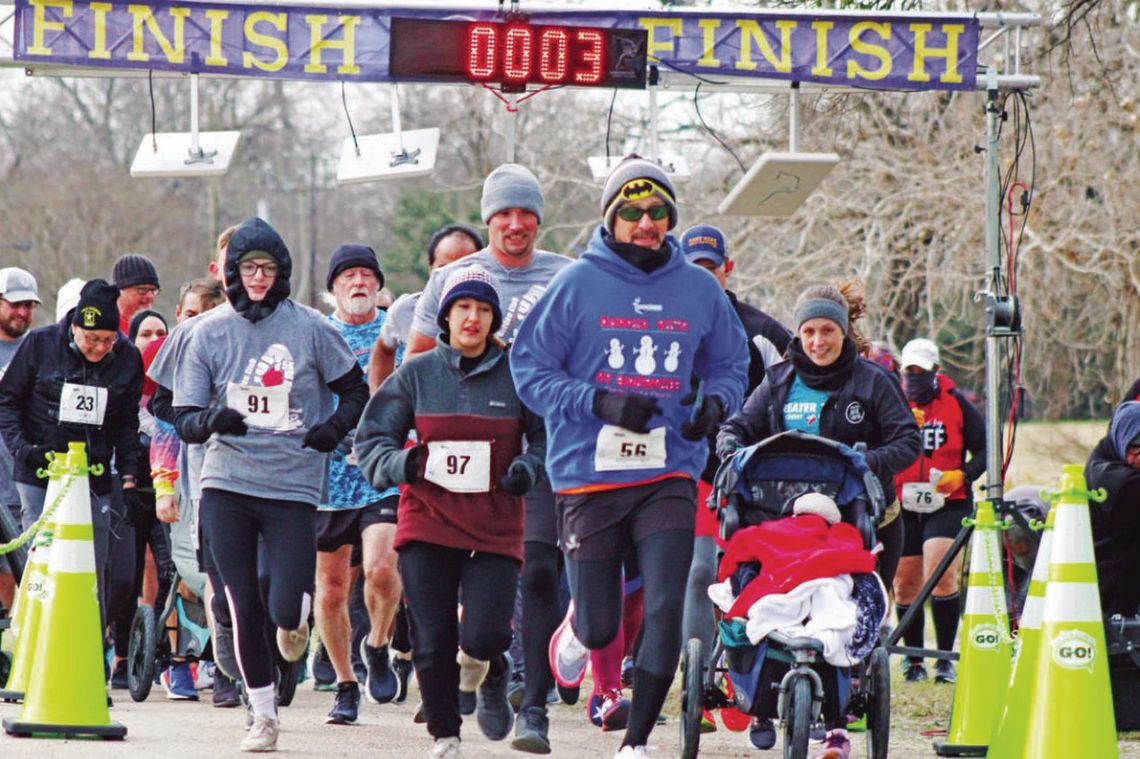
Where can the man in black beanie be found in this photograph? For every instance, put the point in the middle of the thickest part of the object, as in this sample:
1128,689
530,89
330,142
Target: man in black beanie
137,280
78,380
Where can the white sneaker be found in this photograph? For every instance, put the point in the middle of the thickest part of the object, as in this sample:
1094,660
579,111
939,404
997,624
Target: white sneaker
632,752
292,643
568,657
263,735
472,672
446,748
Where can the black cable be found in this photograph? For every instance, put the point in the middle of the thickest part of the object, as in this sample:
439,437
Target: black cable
344,102
609,122
153,117
710,130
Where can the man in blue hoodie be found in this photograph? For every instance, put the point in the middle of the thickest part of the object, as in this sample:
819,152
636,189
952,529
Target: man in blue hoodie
606,357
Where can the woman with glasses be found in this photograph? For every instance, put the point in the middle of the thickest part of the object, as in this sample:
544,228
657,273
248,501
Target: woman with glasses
76,381
256,385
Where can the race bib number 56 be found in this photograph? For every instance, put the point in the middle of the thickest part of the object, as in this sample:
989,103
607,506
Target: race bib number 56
619,449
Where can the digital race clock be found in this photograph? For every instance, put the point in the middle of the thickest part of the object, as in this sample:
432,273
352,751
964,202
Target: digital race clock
516,54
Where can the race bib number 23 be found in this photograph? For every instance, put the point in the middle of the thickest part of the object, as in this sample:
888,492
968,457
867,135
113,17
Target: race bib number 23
82,404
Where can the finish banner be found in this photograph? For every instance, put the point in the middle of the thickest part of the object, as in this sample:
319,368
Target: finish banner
882,51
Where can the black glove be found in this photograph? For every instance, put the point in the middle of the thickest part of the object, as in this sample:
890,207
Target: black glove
415,457
324,438
707,417
35,455
517,480
225,421
628,411
132,506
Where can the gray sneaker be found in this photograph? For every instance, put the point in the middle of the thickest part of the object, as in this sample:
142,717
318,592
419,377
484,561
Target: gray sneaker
532,728
263,735
493,711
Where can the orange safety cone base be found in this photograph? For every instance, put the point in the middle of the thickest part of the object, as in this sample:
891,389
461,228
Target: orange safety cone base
20,729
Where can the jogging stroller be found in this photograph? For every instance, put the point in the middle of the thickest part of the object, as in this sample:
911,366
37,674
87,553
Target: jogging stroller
780,678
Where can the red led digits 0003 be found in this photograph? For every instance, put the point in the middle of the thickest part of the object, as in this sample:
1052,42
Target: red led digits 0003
518,54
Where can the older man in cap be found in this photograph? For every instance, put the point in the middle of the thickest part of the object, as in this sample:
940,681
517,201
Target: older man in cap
18,300
137,280
607,357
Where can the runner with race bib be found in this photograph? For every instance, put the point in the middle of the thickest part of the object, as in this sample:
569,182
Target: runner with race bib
459,531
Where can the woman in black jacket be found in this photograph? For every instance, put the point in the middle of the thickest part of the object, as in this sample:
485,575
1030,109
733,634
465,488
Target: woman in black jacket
826,389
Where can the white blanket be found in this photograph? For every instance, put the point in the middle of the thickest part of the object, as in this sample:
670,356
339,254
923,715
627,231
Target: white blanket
822,609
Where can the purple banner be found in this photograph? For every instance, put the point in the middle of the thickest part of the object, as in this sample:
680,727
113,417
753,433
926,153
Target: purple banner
875,51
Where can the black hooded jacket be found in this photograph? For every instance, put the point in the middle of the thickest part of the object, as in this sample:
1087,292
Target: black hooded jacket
30,396
1115,528
254,234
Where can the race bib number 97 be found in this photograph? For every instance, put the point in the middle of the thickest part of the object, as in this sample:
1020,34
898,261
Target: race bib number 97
265,407
461,466
82,404
619,449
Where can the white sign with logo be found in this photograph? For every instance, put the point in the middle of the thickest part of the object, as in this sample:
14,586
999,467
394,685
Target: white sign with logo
618,449
1074,649
82,404
461,466
985,636
265,407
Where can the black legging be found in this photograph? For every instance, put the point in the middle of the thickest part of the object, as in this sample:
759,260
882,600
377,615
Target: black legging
232,523
664,559
541,579
127,566
891,537
436,579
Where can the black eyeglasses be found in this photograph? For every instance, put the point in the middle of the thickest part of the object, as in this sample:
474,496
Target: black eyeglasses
249,268
633,213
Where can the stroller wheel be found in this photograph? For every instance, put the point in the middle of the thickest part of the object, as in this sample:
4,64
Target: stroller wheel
798,718
878,685
692,699
286,679
140,655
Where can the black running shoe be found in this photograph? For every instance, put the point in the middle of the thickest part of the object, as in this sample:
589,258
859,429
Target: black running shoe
403,668
914,671
531,731
382,685
324,676
944,672
493,711
346,705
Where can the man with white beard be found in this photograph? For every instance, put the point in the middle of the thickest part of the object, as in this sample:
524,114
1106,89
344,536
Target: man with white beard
356,525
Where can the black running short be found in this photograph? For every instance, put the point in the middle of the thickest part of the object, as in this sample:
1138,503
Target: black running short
604,523
944,523
343,527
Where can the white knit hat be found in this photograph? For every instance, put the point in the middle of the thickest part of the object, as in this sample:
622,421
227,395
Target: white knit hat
818,504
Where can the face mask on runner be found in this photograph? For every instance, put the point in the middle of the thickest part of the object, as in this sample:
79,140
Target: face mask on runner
921,387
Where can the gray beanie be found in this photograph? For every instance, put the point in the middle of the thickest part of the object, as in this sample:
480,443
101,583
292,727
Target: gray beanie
825,308
511,186
636,178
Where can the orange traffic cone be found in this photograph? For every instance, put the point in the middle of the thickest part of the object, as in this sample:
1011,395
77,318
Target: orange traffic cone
66,693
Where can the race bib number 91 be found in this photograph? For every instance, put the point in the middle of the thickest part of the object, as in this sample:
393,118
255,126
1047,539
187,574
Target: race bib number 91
82,404
619,449
461,466
265,407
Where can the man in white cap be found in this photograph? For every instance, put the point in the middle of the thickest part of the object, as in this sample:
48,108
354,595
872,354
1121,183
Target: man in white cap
512,207
18,300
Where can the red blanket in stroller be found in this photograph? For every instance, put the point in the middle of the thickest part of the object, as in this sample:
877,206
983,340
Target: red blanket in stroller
792,550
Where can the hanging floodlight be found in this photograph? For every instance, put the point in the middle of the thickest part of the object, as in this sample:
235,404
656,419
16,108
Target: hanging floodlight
377,157
675,166
779,183
184,154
